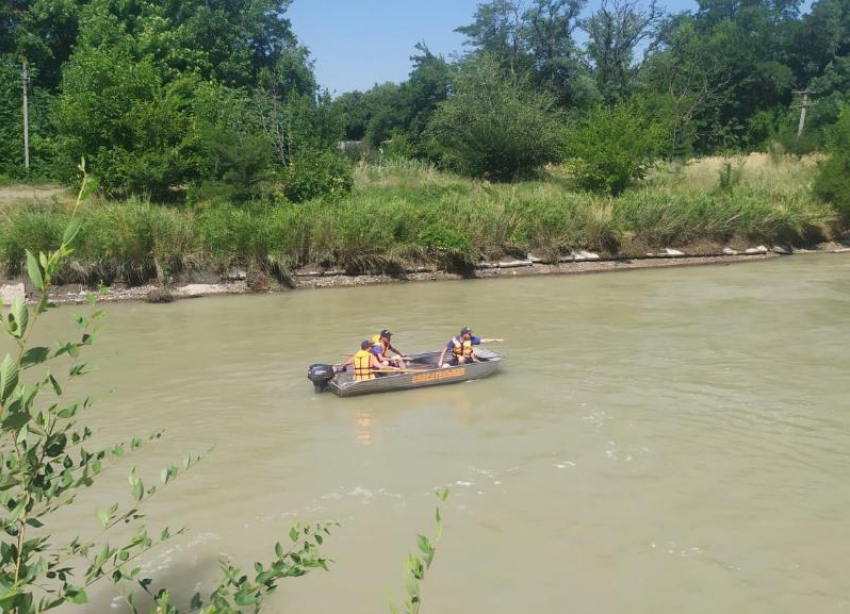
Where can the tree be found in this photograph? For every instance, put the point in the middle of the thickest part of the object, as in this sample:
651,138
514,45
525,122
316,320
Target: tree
686,81
43,33
535,39
832,183
616,30
427,87
135,128
494,125
498,31
399,111
550,25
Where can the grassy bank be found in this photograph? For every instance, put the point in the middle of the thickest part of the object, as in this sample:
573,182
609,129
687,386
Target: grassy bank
410,213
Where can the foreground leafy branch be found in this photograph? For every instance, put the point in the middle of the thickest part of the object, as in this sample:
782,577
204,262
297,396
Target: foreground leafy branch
418,564
46,459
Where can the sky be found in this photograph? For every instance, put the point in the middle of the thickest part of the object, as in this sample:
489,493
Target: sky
358,43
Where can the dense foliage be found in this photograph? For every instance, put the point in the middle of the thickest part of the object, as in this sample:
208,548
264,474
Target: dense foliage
833,179
494,126
49,457
614,146
164,96
719,78
212,100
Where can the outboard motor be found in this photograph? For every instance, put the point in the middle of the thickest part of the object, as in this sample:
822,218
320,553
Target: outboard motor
321,376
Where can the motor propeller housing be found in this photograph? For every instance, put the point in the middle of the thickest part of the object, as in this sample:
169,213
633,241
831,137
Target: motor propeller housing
321,376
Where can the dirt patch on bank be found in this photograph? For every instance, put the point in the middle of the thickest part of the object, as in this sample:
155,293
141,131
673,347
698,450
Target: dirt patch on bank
16,194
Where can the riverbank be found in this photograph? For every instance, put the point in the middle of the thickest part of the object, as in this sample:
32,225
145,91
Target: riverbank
406,221
237,282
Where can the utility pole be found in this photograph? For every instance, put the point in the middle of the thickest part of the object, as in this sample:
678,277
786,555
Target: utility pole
805,103
26,83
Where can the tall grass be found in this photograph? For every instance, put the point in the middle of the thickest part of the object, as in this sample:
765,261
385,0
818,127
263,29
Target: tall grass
404,212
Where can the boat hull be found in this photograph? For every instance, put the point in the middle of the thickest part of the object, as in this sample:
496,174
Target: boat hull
426,374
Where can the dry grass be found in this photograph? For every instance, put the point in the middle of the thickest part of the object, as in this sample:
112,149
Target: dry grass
756,171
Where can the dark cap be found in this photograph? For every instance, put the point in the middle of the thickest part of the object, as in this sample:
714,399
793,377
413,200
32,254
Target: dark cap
465,331
386,333
365,345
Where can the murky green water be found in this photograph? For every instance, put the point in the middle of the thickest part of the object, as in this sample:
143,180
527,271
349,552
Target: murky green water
658,441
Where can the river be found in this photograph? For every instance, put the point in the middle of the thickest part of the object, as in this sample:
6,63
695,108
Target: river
669,440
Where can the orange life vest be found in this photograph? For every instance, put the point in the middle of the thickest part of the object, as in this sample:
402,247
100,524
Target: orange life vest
462,348
363,366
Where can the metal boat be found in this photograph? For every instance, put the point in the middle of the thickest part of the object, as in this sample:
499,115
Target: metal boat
422,370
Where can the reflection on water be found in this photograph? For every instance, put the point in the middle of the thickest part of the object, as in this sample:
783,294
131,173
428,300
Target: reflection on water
365,434
658,441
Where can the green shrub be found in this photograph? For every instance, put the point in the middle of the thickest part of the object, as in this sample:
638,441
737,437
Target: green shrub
316,173
832,182
614,146
135,130
494,125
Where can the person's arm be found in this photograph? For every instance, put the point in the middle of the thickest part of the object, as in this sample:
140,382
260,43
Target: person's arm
397,352
344,366
483,341
376,364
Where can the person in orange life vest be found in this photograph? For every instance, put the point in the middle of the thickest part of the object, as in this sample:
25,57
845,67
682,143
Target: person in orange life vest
462,348
383,345
366,364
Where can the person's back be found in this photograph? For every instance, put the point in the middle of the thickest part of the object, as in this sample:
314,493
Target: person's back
363,363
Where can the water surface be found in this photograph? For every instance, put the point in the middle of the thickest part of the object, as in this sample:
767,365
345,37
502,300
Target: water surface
658,441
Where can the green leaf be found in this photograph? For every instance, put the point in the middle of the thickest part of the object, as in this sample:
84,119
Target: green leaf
103,517
412,586
8,377
34,271
56,387
71,230
21,313
424,544
88,188
14,421
293,534
138,490
76,594
34,356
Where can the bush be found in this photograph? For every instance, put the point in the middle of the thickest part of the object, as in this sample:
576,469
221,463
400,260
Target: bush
614,146
135,131
494,125
316,173
832,183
